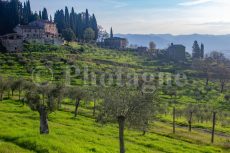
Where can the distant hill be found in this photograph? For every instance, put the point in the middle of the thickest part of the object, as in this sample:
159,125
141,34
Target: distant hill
211,42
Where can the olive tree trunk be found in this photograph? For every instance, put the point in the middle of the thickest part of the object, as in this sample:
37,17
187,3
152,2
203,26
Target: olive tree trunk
190,121
44,128
121,122
19,94
59,102
94,107
1,96
76,107
174,120
213,126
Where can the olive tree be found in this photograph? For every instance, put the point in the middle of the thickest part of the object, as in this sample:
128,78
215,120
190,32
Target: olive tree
3,87
19,85
126,105
42,100
77,94
222,73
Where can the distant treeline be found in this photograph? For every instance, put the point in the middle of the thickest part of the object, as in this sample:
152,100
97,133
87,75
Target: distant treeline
13,12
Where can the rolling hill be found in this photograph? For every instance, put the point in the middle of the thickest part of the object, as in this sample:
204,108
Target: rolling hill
211,42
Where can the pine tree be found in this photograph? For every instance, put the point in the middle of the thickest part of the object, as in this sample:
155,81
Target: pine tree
45,14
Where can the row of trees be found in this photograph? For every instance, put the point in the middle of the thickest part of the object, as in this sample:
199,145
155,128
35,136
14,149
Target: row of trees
124,105
83,25
214,67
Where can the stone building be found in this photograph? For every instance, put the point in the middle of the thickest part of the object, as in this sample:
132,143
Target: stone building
12,42
115,43
142,49
40,31
176,52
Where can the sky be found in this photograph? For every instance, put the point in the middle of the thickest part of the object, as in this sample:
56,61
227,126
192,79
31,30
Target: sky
152,16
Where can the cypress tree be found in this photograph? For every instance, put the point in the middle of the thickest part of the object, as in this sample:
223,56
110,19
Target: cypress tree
40,15
51,19
67,19
86,19
202,50
111,32
94,26
196,50
59,19
73,25
13,15
45,14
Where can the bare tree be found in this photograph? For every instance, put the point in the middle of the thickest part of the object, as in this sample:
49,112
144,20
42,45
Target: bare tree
204,66
222,73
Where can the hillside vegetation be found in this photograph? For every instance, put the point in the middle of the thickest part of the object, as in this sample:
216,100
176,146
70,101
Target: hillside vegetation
84,134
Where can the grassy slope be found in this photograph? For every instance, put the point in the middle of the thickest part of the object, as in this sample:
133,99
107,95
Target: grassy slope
83,134
19,125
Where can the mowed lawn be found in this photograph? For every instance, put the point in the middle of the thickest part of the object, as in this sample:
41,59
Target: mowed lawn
19,133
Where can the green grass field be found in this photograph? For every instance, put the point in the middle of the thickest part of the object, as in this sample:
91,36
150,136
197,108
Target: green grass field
19,133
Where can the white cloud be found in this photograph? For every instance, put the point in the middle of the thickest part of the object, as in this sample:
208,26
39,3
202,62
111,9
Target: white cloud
194,2
116,3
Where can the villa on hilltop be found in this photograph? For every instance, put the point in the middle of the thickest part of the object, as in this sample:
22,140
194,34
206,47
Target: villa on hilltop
40,31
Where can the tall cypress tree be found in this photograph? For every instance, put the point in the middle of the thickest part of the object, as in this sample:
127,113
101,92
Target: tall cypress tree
14,16
45,14
86,19
40,14
59,19
94,26
73,25
111,32
67,19
202,50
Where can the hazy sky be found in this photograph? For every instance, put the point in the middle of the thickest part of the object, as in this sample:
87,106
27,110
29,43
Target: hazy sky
152,16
